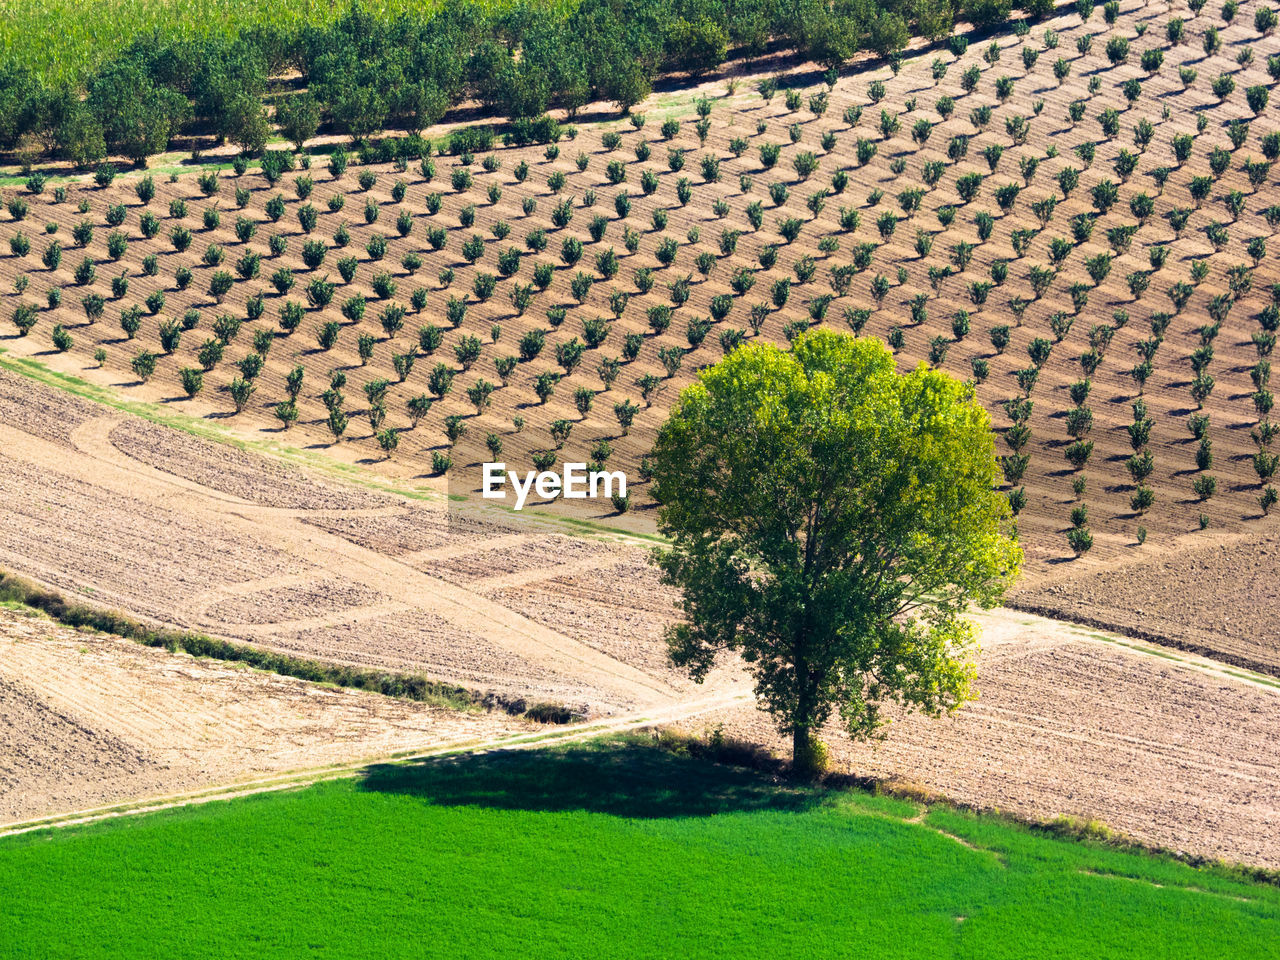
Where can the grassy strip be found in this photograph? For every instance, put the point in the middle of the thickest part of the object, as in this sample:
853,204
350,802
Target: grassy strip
402,685
1150,650
1252,678
1064,614
484,857
34,370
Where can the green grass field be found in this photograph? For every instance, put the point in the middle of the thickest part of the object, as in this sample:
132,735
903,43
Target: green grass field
602,851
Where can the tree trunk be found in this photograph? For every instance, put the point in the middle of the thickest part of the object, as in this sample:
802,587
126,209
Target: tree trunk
800,748
802,739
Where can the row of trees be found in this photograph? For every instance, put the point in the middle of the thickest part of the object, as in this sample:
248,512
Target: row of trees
367,73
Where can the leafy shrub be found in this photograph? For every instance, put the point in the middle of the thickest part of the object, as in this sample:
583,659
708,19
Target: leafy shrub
1204,486
1078,453
143,365
1080,540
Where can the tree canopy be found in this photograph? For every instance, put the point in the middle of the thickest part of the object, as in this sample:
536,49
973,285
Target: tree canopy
368,69
832,520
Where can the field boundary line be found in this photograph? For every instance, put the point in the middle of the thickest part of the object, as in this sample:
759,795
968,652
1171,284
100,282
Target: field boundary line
258,632
1137,634
532,740
1164,886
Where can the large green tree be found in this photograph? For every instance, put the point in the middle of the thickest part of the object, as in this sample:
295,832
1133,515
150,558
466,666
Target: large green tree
226,92
832,520
986,13
934,18
696,45
18,89
827,35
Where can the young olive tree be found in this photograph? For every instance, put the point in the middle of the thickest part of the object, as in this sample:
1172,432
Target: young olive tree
833,520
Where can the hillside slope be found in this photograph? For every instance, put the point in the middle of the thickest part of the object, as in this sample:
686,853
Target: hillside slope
995,114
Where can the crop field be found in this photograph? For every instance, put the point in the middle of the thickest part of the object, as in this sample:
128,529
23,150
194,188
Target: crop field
1112,301
75,37
243,414
482,855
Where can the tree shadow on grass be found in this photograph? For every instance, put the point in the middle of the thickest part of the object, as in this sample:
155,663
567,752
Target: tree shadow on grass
619,778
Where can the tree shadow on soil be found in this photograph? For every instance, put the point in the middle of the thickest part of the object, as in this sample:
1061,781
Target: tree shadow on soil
619,778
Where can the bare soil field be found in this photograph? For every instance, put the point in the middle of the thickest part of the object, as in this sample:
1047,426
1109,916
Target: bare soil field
621,609
1110,321
1174,754
53,418
227,470
306,599
1217,597
389,587
118,549
411,640
88,720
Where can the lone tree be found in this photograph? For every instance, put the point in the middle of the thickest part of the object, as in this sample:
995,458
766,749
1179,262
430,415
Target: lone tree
832,520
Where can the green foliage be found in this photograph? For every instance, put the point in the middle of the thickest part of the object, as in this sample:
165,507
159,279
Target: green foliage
1080,540
802,676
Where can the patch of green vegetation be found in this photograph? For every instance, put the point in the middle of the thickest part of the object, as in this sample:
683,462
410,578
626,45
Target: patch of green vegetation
1153,651
591,526
79,34
181,164
19,179
483,857
1253,678
1135,647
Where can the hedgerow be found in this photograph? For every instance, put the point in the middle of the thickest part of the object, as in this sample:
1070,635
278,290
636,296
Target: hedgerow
411,687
